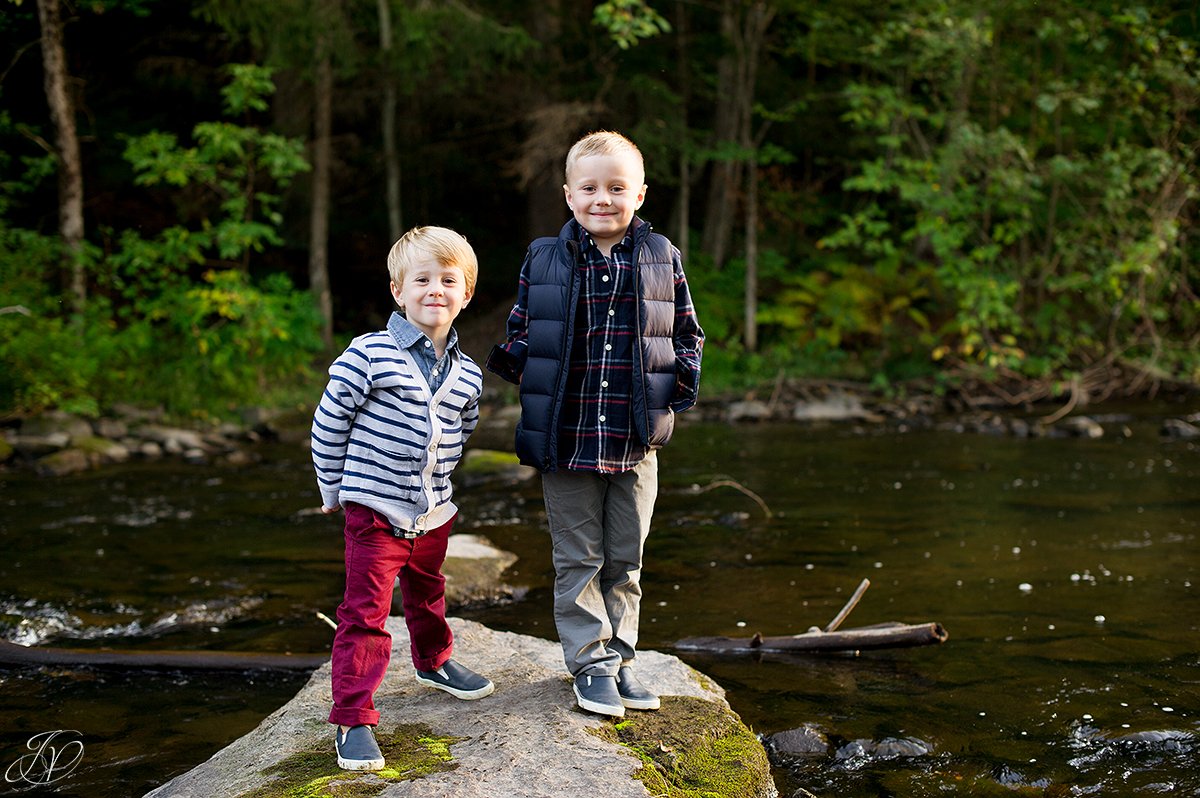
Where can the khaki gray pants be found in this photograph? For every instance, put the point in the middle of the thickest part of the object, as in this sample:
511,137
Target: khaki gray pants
598,526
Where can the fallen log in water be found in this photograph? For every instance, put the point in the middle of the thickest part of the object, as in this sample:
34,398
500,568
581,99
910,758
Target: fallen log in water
13,654
883,635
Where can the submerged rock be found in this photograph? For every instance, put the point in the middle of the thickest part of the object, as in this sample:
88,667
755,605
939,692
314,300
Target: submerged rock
489,466
835,407
1176,429
474,571
526,740
806,741
59,464
1081,427
748,410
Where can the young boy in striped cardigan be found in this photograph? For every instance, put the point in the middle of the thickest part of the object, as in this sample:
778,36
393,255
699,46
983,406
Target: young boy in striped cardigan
387,433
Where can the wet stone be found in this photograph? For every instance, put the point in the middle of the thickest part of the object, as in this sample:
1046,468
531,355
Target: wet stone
750,410
111,428
39,445
1081,427
195,456
808,740
68,461
1176,429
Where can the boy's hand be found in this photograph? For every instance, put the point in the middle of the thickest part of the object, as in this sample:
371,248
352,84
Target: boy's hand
331,510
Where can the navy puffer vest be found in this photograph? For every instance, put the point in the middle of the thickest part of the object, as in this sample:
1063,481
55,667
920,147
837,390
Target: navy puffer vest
553,299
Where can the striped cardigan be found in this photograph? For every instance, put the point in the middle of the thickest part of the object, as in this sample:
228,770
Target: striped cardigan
380,439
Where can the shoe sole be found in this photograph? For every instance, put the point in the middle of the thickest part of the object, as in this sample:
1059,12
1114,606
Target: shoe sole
360,764
644,704
597,707
465,695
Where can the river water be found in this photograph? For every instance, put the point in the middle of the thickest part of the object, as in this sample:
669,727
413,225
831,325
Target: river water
1064,569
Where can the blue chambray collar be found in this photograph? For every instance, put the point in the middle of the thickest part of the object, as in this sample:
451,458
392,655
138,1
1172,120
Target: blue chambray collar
406,333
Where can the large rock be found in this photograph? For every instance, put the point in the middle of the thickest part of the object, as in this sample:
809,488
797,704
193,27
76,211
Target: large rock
526,740
474,571
835,407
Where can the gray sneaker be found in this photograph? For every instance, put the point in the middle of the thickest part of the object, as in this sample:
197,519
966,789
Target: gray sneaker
633,694
457,680
599,694
357,749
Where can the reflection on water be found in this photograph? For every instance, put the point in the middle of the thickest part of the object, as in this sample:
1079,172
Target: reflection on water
1063,569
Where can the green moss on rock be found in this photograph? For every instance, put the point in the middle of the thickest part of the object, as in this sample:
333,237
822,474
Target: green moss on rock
410,751
692,748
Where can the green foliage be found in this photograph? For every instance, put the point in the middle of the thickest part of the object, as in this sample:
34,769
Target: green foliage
1053,230
629,21
170,320
230,165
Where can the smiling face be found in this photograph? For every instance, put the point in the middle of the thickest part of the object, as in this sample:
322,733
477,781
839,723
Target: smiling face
604,191
431,296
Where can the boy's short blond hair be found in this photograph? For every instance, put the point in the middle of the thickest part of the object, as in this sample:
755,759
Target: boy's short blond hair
602,142
445,246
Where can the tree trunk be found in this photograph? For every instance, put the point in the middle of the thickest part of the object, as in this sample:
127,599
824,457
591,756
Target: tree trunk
737,74
751,287
391,160
551,126
318,247
758,19
70,168
722,187
683,221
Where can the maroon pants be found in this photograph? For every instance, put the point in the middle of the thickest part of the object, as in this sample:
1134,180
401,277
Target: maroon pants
362,647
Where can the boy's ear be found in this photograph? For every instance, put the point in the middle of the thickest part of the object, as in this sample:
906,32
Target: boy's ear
641,197
567,196
395,293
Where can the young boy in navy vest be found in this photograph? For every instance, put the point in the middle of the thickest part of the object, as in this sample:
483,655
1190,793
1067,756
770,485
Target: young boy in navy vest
387,433
603,341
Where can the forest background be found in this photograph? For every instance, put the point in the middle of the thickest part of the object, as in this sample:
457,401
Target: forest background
196,196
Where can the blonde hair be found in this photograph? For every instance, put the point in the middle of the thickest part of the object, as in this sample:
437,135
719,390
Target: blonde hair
602,142
445,246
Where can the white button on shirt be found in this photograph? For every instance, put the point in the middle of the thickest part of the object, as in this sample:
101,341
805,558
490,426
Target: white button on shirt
602,418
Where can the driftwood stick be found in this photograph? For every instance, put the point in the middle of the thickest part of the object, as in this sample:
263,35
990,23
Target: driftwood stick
850,605
13,654
730,483
884,635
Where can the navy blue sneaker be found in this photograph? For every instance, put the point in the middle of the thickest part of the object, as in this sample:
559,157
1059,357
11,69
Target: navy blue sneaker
357,749
457,680
599,694
633,694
